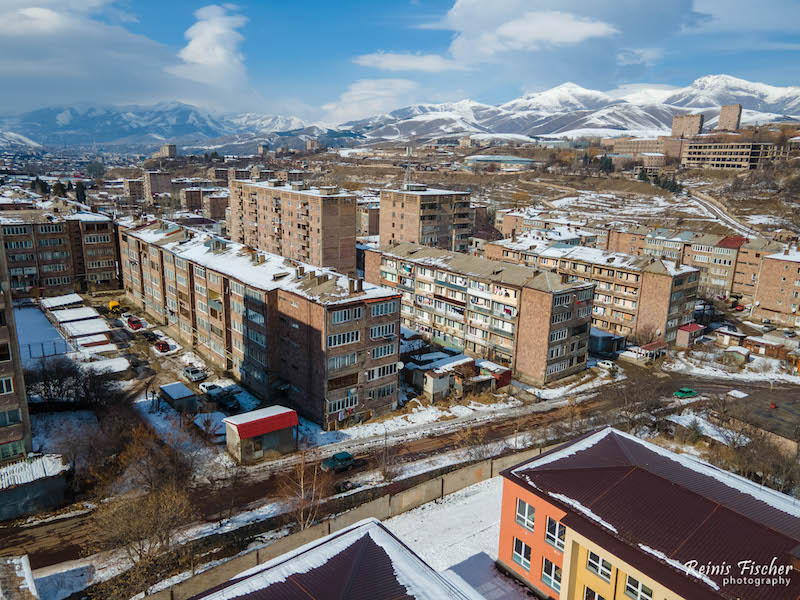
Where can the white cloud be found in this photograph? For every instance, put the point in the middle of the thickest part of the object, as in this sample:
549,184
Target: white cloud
392,61
639,56
213,54
368,97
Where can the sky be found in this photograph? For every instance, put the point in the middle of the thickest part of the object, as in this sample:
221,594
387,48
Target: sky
338,61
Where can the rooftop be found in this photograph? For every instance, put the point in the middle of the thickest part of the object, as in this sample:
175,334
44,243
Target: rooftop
257,269
362,562
263,420
611,484
287,187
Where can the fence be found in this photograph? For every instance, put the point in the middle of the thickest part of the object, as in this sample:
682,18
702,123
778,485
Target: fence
382,508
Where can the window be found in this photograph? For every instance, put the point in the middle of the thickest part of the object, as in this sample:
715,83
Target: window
381,351
384,308
555,533
562,300
340,339
237,288
237,307
199,288
345,315
561,317
340,362
16,230
522,554
9,417
258,338
551,575
97,239
10,450
637,590
199,271
590,594
599,566
383,371
51,228
380,331
213,278
382,392
556,336
349,401
525,514
255,317
6,385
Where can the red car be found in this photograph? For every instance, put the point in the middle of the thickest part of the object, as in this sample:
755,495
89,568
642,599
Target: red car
134,323
161,346
738,307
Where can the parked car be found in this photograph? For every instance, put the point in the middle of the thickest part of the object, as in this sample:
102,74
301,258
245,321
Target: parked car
150,336
606,364
342,461
684,392
209,388
345,486
161,346
739,307
768,328
194,374
790,333
135,323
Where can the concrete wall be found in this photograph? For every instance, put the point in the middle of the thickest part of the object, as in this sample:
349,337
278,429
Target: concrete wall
381,508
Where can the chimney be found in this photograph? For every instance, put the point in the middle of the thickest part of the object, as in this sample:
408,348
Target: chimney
359,285
351,284
301,270
786,251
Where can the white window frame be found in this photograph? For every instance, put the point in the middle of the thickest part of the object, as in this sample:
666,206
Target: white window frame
637,592
555,540
519,557
599,566
525,514
7,385
549,578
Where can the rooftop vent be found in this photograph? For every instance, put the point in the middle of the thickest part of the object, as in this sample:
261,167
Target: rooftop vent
415,187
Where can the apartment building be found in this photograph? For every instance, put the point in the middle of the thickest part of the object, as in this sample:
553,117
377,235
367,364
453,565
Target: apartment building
687,126
368,217
215,204
730,155
636,146
611,516
49,255
730,117
530,321
320,341
295,220
512,222
156,182
641,297
133,188
15,425
166,151
777,296
191,198
748,267
423,215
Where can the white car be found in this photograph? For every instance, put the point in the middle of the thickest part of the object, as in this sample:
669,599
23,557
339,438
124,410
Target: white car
194,374
606,364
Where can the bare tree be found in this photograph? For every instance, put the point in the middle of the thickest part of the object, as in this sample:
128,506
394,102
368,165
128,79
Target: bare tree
305,487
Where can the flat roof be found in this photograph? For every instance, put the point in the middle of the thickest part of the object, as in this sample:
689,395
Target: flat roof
176,390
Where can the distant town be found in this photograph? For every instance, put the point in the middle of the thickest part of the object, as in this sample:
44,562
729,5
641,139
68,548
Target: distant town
464,367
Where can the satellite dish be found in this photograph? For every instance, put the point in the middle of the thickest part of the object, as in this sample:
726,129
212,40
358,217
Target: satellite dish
400,365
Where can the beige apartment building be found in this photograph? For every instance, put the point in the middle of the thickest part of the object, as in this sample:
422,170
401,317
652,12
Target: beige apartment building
777,297
295,220
47,256
428,216
530,321
166,151
215,205
687,125
191,198
15,425
641,297
730,155
320,341
748,267
730,117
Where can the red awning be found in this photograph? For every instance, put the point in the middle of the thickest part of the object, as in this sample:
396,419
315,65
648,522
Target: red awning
691,327
653,346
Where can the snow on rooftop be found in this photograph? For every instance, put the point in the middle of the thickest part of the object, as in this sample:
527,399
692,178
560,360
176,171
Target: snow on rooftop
87,217
255,415
176,390
75,314
108,365
64,300
87,327
791,255
30,469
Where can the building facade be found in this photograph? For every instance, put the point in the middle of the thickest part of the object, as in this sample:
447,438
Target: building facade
166,151
47,256
687,126
325,343
730,117
642,297
730,155
422,215
156,182
530,321
133,188
577,523
777,296
309,224
15,425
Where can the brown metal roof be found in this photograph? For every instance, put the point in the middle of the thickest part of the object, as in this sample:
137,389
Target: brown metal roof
662,502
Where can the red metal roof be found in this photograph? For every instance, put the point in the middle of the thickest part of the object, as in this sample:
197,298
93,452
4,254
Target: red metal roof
732,241
262,421
657,345
691,327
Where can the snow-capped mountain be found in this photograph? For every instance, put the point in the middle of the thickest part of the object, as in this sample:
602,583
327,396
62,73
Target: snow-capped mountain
15,141
565,110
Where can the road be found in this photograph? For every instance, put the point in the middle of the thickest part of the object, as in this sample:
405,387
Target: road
58,541
737,226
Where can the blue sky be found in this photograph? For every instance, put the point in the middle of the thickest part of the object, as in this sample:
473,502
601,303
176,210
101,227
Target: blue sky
335,61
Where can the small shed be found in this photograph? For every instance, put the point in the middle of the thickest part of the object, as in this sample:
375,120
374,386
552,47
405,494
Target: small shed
250,434
687,335
728,337
179,396
765,347
736,356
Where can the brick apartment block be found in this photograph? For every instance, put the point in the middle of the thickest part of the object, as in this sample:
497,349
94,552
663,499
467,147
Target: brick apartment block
133,188
517,221
527,320
156,182
15,426
48,256
423,215
309,224
641,297
730,117
687,125
777,296
323,342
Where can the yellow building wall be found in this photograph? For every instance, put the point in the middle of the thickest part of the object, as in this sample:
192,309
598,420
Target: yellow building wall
576,576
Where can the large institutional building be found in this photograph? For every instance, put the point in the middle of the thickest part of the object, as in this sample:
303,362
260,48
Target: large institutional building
303,223
325,343
730,155
527,320
423,215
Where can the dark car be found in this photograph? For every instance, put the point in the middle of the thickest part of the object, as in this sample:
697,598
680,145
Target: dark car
345,486
150,336
342,461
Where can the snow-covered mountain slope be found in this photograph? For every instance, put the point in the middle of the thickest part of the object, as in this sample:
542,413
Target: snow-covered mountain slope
567,109
9,139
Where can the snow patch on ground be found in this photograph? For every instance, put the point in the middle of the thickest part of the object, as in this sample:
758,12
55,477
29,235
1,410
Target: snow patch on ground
705,364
